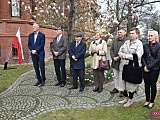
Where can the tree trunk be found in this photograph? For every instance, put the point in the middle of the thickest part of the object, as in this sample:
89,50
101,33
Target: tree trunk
70,28
70,22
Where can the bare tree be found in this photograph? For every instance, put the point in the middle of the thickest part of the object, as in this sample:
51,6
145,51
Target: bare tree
126,13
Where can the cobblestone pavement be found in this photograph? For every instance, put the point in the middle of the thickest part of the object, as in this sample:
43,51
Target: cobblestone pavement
23,101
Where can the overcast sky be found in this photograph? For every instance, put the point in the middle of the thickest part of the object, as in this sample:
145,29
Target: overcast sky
103,4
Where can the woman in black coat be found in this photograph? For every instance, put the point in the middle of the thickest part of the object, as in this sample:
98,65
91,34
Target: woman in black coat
151,64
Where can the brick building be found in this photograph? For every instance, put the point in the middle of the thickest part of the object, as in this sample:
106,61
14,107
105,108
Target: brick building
10,20
19,13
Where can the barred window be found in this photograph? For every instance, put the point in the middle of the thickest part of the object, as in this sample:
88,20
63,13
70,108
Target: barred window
14,52
15,7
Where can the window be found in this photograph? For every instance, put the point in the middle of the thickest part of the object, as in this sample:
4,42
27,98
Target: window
15,7
32,6
14,53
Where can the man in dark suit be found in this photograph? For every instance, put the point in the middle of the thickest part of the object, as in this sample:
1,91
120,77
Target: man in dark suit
58,48
77,52
36,43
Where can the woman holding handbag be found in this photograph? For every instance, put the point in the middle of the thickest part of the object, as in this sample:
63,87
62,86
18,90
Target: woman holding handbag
130,47
151,62
98,51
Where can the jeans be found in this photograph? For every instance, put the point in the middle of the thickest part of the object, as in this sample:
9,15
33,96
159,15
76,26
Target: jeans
116,78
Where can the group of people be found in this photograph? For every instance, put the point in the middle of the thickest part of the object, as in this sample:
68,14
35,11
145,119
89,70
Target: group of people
77,50
121,52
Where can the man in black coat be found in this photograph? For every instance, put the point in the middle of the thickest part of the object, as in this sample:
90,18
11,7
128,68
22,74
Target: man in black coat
77,52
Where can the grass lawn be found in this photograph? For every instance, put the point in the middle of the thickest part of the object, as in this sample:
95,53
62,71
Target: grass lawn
135,112
8,77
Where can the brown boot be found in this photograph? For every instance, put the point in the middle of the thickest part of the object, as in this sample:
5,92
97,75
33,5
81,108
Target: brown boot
121,94
114,91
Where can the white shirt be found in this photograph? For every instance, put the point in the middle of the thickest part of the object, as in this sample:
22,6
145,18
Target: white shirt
59,37
35,37
97,41
77,43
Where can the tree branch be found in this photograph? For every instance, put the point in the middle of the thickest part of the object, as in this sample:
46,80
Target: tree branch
142,4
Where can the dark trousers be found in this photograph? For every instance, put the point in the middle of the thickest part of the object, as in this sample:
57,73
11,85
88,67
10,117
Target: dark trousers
78,73
98,76
38,62
60,70
150,80
125,93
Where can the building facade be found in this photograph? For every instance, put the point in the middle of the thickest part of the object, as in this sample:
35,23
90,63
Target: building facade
11,19
22,14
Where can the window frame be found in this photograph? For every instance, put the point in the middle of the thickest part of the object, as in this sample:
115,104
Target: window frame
14,53
15,10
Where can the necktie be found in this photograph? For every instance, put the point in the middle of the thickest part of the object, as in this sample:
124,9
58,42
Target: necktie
35,37
77,44
58,39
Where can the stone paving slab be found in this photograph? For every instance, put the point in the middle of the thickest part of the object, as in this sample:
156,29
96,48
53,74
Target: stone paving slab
23,101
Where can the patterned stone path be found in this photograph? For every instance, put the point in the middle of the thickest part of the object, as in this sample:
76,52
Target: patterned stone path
23,101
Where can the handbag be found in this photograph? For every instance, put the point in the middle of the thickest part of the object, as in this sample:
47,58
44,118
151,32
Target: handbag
104,65
133,73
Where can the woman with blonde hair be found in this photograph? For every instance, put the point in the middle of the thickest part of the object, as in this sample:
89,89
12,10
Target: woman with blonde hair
155,34
98,51
151,66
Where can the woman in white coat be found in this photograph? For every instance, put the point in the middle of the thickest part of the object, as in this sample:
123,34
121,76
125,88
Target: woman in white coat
98,51
134,45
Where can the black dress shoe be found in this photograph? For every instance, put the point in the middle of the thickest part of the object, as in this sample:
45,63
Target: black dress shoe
96,89
145,105
62,85
149,107
42,84
81,89
99,91
73,87
37,83
57,84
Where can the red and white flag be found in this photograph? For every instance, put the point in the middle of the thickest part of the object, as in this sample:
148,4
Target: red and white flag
16,43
